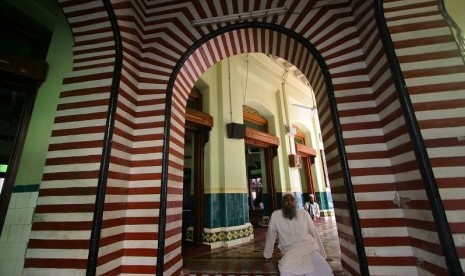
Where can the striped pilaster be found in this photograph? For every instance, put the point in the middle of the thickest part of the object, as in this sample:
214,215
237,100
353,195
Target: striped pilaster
61,229
434,74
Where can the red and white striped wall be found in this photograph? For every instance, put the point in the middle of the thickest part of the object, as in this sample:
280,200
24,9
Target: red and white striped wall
397,226
62,221
434,74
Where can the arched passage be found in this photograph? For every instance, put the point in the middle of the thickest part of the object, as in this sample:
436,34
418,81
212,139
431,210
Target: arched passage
158,37
269,39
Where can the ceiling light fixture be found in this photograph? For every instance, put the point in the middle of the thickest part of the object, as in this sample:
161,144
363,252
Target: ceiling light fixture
239,16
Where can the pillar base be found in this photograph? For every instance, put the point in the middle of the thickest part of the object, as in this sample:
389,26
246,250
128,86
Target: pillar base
224,236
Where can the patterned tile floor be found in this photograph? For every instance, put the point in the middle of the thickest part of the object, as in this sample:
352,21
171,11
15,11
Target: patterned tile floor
247,259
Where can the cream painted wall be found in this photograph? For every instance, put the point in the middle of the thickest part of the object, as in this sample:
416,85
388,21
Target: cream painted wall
301,101
224,173
308,122
263,85
210,86
257,81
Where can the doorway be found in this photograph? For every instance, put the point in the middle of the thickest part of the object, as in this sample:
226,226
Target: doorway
17,95
192,66
198,126
255,182
24,45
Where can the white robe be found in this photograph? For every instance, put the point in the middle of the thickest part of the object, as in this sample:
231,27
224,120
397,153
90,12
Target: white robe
298,239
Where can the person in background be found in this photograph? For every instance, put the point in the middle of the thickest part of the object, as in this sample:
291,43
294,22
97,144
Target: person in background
313,208
258,202
300,244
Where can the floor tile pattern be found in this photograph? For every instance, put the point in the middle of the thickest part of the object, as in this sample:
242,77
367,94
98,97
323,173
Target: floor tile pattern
247,259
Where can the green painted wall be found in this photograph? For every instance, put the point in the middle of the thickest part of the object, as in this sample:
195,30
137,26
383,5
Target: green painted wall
456,10
59,60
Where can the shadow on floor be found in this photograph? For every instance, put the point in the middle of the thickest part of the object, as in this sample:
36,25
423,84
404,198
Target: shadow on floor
192,249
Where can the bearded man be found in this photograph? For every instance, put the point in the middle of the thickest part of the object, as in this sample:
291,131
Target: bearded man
300,244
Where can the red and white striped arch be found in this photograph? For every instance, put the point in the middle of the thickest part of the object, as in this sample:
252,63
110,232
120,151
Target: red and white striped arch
397,227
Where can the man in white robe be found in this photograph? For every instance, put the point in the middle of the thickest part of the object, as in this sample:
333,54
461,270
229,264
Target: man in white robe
313,208
302,250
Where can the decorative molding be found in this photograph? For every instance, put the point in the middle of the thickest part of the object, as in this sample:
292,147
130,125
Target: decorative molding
253,116
224,236
199,117
299,132
327,213
259,138
304,150
26,188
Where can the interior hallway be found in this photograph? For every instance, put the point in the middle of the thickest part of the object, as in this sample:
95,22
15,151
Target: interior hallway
247,259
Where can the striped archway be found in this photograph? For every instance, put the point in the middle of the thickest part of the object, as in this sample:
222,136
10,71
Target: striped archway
252,38
163,54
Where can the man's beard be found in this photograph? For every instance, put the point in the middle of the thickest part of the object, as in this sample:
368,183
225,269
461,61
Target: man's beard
289,212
